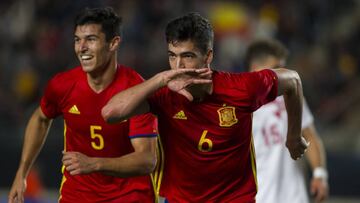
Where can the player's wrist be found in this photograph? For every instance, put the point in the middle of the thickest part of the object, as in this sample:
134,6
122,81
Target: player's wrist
160,80
97,164
320,172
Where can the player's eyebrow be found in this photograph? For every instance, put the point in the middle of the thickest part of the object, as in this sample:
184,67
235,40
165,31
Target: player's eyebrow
186,53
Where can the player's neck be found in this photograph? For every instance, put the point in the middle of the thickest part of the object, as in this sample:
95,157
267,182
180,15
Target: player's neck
98,81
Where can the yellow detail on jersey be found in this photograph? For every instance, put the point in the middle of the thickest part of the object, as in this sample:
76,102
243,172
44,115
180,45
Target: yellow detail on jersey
98,143
74,110
154,187
65,127
180,115
203,140
158,172
227,116
63,167
61,186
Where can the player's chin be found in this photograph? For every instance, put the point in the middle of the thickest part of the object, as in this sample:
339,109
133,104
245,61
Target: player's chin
87,68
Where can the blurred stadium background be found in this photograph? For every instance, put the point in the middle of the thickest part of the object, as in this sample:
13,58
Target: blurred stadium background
36,41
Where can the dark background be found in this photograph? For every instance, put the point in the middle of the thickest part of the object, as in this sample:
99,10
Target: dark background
36,41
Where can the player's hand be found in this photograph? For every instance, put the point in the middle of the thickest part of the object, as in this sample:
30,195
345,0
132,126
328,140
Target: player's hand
178,79
297,147
77,163
17,190
319,189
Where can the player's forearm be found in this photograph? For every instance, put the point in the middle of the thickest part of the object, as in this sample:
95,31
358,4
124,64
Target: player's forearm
35,136
134,164
316,152
290,87
131,101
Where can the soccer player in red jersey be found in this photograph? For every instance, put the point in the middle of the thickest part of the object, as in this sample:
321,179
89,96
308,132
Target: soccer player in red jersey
79,95
205,117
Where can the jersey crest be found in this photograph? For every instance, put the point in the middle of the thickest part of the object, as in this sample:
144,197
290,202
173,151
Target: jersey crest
227,116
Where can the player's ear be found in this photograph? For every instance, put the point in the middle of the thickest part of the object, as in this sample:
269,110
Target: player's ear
209,57
114,43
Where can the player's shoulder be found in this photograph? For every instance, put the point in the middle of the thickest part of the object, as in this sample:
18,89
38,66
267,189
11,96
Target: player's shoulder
231,76
126,70
66,80
128,76
227,79
69,76
224,75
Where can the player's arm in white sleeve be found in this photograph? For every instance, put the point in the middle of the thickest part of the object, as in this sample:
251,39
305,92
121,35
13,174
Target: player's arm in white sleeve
35,136
316,156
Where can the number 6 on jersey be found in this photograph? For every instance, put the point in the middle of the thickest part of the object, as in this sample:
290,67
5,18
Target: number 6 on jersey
205,140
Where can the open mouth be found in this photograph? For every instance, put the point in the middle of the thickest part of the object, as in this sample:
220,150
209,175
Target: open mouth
86,57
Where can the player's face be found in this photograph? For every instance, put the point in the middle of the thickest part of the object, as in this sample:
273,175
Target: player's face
91,47
186,55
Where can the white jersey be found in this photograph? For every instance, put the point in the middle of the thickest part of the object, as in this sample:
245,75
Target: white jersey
280,179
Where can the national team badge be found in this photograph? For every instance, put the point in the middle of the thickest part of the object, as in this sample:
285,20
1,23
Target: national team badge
227,116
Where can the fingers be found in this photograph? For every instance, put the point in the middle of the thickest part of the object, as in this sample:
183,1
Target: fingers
186,94
201,81
320,194
12,198
190,71
16,197
206,74
75,171
319,189
203,70
73,168
297,148
71,162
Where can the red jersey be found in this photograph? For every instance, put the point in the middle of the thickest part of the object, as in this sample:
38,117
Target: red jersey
207,145
69,94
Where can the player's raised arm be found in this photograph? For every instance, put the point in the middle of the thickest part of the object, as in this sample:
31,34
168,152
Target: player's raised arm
290,86
132,101
35,135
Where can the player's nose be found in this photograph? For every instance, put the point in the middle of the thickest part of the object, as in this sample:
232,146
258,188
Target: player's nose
179,63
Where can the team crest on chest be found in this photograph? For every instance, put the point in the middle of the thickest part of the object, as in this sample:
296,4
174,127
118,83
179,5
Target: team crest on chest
227,116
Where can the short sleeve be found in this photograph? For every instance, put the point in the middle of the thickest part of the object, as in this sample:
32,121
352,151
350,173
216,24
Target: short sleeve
158,100
50,101
144,125
263,87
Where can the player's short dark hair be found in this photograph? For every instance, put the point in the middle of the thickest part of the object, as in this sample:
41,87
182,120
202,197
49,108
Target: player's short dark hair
106,17
264,48
192,27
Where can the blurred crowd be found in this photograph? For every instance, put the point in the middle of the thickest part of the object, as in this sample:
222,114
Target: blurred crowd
323,37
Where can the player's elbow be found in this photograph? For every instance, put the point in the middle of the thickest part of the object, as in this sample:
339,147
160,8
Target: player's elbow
294,82
112,114
291,81
149,164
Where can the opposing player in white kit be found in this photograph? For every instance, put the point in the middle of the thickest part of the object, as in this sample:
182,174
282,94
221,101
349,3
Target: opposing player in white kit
281,179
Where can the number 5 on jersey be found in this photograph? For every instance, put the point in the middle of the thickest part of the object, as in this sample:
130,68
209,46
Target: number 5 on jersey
98,143
204,140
